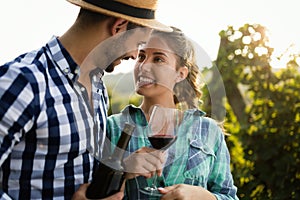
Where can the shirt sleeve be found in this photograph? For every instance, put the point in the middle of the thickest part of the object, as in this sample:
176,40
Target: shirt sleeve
4,196
220,179
16,110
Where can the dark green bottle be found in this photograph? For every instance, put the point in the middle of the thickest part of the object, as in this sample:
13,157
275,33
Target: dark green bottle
110,175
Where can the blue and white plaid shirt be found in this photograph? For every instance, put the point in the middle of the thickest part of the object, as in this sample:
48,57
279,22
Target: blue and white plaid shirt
46,125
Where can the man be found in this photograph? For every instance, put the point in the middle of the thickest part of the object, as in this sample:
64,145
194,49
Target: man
54,105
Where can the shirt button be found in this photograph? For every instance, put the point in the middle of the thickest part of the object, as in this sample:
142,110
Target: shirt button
66,70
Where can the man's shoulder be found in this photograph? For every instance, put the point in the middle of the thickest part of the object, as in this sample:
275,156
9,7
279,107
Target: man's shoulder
27,61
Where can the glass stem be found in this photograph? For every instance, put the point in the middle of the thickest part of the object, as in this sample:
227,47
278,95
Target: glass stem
154,181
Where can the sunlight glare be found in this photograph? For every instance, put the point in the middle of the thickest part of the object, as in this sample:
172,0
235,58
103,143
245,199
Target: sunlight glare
261,51
256,36
235,36
246,39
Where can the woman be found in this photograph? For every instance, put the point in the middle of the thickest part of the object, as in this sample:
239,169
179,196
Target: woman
198,163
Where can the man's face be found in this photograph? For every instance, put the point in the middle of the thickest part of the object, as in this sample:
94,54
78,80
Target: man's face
127,44
109,53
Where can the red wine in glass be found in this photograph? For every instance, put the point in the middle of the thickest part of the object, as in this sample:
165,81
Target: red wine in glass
160,141
163,125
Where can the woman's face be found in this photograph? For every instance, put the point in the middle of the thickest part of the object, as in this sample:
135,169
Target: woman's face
155,70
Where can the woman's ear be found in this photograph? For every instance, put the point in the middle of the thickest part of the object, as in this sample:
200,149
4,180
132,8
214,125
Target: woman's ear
119,25
182,74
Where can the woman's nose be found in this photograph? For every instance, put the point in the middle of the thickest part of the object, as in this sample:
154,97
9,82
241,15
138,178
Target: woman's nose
145,66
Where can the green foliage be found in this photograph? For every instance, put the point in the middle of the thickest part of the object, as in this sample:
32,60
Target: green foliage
121,91
262,115
273,135
119,101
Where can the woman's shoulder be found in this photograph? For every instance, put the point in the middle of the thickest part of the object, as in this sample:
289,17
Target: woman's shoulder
129,113
127,110
200,115
206,126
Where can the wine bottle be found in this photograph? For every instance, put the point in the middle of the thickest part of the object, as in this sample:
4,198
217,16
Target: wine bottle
110,175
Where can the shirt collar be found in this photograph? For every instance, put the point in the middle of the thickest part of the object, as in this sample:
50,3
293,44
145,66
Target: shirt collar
133,108
137,113
63,59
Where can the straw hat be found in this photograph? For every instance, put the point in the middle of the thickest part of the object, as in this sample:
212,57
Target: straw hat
141,12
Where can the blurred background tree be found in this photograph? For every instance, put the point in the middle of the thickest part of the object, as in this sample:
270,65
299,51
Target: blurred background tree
261,108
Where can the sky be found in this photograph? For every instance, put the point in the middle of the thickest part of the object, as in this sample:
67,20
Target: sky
27,25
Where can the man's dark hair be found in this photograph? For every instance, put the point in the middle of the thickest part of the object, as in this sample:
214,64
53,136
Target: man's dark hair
88,17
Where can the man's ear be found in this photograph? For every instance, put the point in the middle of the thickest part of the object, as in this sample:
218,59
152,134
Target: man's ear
182,74
119,25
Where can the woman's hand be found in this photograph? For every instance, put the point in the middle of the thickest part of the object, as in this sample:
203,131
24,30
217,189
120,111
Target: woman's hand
186,192
80,194
144,162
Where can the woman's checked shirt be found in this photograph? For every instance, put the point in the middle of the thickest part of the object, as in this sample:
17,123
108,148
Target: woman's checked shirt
46,125
198,157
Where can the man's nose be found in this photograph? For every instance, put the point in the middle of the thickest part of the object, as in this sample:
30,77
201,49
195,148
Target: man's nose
132,54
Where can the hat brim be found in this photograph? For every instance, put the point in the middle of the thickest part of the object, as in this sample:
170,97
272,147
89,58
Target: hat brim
152,23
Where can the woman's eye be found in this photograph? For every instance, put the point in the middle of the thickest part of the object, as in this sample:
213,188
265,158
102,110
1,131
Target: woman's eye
141,57
158,60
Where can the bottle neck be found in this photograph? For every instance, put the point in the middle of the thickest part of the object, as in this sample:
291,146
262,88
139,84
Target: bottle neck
122,144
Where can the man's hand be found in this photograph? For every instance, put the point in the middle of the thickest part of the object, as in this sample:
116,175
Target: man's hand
144,162
80,194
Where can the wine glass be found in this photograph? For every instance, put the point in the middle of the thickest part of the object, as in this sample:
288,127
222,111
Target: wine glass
163,125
